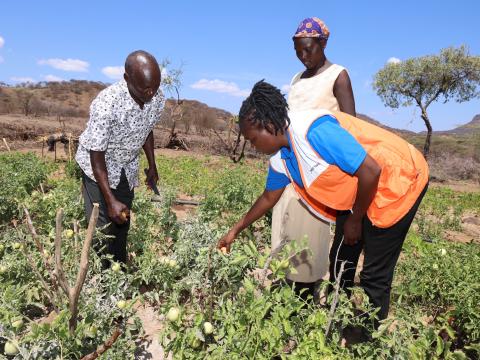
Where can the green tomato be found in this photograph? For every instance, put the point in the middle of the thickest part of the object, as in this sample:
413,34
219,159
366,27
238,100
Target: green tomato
121,304
2,247
11,348
69,233
3,269
208,328
116,267
91,331
172,263
443,252
173,314
17,324
195,343
16,245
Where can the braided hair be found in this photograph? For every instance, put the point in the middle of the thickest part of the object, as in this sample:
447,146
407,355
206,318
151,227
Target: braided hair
265,105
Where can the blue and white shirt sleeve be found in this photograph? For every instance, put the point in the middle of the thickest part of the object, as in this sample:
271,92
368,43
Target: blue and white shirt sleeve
276,180
277,177
336,145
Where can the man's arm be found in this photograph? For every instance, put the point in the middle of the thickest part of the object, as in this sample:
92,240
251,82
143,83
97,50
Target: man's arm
148,147
117,211
265,202
342,89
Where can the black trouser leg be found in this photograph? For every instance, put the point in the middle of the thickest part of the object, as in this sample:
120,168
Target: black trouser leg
340,252
117,245
382,248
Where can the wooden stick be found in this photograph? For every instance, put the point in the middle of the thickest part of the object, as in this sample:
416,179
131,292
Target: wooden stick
70,147
62,280
33,231
83,268
104,347
6,144
46,261
76,232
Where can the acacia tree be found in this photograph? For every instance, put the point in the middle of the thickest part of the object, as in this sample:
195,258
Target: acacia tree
452,75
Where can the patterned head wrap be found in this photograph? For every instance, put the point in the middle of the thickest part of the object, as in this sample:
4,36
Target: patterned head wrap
313,28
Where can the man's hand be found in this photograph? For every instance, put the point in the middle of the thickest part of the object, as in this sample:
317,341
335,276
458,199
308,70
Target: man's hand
227,241
118,212
352,230
152,176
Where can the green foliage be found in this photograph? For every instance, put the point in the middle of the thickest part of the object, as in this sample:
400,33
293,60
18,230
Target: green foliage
441,210
176,264
442,279
20,174
73,170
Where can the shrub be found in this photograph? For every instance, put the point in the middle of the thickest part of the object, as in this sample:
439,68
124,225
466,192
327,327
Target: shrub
20,174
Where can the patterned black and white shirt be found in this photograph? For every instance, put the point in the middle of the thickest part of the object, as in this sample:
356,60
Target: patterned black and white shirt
119,127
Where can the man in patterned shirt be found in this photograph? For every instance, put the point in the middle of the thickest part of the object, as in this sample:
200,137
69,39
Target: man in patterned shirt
122,118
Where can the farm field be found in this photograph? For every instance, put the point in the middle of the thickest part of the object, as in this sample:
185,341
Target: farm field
179,297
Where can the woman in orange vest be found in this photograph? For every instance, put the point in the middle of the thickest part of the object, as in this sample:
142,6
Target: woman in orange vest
367,179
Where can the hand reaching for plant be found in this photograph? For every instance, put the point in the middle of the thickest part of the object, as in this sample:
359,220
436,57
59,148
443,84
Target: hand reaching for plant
226,241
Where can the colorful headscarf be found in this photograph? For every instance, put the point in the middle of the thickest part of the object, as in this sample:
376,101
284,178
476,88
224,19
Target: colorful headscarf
312,27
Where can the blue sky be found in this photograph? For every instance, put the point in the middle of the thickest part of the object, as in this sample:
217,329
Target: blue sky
226,46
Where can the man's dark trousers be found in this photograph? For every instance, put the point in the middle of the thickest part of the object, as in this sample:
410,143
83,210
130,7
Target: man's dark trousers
381,251
117,245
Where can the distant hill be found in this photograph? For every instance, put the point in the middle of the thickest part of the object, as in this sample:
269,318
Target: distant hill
378,123
71,99
467,129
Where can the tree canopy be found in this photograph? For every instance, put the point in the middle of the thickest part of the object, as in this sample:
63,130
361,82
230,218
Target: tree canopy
454,74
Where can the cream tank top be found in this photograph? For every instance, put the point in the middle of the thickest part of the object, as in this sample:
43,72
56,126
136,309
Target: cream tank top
315,92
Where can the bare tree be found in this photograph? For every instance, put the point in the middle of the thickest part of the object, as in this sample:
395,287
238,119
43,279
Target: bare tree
25,98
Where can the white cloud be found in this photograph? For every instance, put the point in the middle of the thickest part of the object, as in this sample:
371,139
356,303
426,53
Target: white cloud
220,86
53,78
2,41
113,72
66,64
393,60
367,84
22,79
285,88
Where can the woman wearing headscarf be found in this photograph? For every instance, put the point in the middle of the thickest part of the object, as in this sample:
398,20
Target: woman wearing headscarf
322,85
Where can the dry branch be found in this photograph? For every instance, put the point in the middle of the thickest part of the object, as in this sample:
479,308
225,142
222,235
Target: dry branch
335,298
73,294
104,347
45,259
40,277
233,156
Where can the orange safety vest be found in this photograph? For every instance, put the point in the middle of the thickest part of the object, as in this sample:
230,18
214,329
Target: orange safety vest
404,171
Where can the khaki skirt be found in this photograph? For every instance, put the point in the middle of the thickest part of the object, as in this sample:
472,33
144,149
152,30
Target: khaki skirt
291,220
